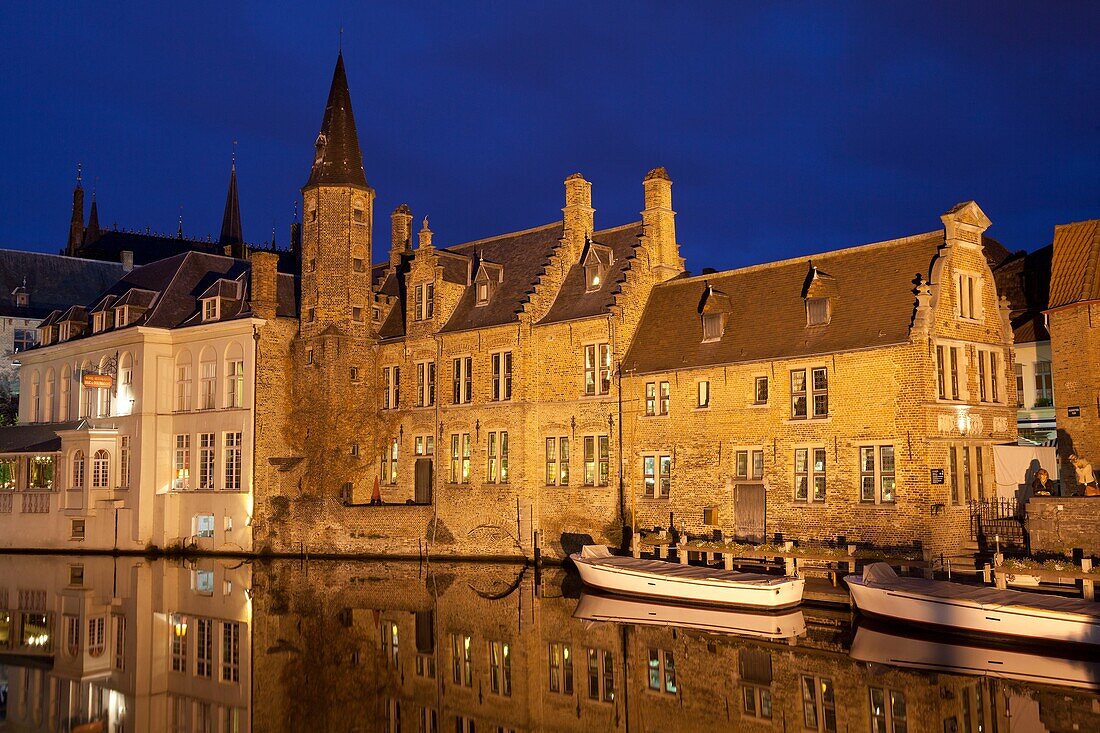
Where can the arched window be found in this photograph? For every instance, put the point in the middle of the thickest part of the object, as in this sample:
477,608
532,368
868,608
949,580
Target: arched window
183,381
208,379
97,636
103,398
78,470
35,398
125,389
87,395
72,635
63,401
101,464
47,406
234,376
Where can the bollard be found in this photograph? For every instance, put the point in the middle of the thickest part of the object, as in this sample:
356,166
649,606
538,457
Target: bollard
662,551
682,554
1000,578
727,561
636,545
1088,587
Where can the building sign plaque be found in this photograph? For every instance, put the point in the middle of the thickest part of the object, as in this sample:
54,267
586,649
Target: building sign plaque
937,475
1075,411
97,381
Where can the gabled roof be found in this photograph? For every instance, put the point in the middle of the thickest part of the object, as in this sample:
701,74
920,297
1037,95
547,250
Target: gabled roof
523,255
338,161
223,288
75,314
53,282
1075,269
573,300
106,303
768,314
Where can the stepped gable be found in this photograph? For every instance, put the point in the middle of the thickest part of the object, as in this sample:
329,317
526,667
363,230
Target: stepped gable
873,307
573,300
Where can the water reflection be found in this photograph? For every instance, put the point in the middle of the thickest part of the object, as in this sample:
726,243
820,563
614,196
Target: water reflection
130,644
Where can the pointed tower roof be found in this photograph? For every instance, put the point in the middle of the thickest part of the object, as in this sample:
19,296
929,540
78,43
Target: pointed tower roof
231,219
93,217
338,161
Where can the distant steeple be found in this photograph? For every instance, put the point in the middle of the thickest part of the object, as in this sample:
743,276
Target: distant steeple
338,161
76,222
92,232
231,236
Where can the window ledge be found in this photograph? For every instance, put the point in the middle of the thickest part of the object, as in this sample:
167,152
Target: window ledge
756,405
808,420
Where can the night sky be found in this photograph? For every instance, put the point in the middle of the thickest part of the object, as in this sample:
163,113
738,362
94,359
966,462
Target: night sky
787,128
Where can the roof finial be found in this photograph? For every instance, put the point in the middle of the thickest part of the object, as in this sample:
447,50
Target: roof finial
295,212
79,174
179,229
340,42
233,157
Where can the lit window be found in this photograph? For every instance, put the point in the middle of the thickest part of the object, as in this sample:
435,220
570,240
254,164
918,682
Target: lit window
500,668
557,461
818,311
818,704
657,476
597,461
877,481
702,394
760,391
968,297
807,474
502,376
597,369
211,307
601,675
888,713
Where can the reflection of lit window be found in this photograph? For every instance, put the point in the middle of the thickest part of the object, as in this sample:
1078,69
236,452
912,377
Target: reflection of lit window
662,671
97,636
7,473
561,668
179,643
36,631
5,629
231,652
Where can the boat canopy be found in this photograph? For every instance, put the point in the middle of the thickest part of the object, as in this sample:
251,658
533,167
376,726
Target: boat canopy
879,572
594,551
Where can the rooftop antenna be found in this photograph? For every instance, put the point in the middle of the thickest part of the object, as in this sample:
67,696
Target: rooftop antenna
340,43
179,230
233,158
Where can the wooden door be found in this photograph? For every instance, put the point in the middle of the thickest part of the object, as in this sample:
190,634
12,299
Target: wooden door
748,512
423,492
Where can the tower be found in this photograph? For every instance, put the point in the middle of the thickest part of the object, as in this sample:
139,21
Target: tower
231,237
336,229
76,223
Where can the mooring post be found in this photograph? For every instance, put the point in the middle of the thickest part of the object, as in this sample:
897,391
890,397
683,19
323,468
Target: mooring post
636,545
850,566
1088,586
682,553
727,560
987,573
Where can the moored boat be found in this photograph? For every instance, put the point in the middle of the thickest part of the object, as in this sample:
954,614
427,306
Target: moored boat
881,592
773,626
685,583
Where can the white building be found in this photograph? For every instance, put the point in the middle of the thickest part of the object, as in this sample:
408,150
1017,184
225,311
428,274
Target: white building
136,424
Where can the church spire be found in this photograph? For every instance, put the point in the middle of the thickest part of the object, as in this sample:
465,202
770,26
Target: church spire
338,161
92,232
231,236
76,222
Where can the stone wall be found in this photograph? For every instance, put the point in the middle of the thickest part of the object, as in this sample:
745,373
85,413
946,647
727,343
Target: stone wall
1059,524
1075,352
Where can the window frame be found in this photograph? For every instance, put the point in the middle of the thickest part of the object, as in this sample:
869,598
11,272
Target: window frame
878,473
811,474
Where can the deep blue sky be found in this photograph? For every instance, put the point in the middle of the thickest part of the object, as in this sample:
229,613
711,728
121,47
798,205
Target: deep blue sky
788,128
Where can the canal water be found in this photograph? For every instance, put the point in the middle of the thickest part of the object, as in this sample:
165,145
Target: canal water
132,644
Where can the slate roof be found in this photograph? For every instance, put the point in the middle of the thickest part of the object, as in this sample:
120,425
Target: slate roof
33,437
873,307
523,255
147,248
1024,280
1075,268
54,282
170,290
573,300
338,161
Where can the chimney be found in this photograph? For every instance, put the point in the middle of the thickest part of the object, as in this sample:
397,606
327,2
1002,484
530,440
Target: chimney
578,216
264,283
401,234
425,236
127,259
658,225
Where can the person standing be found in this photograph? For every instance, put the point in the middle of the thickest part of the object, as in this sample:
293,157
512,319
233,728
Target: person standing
1085,475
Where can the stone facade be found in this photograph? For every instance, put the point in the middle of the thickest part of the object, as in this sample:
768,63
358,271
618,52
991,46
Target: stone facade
1061,524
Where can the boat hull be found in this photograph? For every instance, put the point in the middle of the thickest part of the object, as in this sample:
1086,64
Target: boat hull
626,581
973,617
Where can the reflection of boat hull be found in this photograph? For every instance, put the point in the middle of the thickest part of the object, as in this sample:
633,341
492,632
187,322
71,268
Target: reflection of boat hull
967,658
688,584
777,626
975,609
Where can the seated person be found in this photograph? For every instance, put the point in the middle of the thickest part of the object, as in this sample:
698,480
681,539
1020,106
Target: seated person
1041,485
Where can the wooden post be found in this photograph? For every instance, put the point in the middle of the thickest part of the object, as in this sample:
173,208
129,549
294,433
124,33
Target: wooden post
682,553
987,573
662,551
926,555
1000,578
1088,587
790,566
850,566
636,545
727,560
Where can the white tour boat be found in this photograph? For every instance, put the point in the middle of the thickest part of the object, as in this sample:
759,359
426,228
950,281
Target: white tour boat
967,658
771,626
685,583
880,592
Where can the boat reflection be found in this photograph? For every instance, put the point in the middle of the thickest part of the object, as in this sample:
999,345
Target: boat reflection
1052,665
773,626
118,645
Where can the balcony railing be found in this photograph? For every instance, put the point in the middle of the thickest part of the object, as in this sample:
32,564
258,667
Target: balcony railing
37,502
6,501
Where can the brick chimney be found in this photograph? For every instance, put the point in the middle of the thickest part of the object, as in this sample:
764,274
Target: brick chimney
578,216
264,283
127,259
401,234
659,225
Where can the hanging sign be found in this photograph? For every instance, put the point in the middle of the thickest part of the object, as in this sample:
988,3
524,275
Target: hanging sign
97,381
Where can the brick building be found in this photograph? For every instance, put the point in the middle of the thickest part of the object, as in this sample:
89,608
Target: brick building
569,379
1073,318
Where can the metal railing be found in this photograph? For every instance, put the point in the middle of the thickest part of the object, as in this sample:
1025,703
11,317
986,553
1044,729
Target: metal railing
1000,519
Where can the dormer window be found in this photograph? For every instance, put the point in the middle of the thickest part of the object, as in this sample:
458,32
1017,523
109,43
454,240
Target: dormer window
714,325
65,331
97,322
818,311
597,262
482,293
211,309
122,316
489,276
21,298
